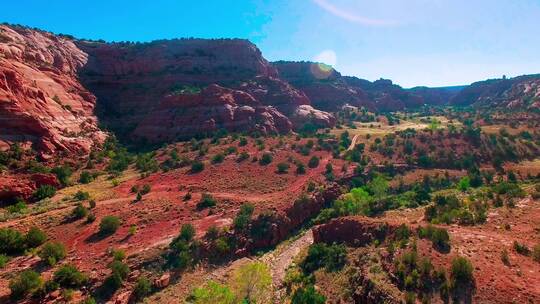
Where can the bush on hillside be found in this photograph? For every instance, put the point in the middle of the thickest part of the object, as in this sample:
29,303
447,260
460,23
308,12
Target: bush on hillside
207,201
11,241
35,237
68,276
109,224
27,282
44,191
266,159
53,252
313,162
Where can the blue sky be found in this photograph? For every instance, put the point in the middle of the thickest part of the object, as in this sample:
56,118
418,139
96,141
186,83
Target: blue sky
412,42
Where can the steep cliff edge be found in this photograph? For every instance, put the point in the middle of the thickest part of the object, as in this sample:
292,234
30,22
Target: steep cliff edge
41,100
174,89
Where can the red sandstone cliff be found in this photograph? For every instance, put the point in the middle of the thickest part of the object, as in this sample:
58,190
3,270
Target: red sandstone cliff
41,100
173,89
53,90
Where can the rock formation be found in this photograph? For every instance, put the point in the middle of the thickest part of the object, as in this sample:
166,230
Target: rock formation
41,100
510,93
171,89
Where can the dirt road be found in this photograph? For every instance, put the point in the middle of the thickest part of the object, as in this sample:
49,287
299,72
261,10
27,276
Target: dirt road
279,260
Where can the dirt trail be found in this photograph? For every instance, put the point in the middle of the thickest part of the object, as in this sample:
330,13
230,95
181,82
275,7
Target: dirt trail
353,142
279,260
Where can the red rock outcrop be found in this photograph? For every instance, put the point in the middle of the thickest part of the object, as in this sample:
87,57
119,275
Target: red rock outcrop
214,108
23,185
164,90
353,230
281,223
41,100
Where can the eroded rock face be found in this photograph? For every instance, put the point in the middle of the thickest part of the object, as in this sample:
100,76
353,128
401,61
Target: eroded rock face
23,186
353,230
167,90
41,100
522,93
53,88
214,108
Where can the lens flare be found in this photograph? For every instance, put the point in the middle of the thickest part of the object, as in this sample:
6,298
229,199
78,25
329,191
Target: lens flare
321,70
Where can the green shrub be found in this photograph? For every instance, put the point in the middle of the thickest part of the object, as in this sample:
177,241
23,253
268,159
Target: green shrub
90,218
142,288
300,168
438,236
521,248
109,224
242,142
197,167
146,163
53,252
68,276
35,237
86,177
212,293
243,217
44,191
19,207
307,295
266,159
464,184
218,158
207,201
11,241
4,259
187,232
132,230
242,157
27,282
82,195
313,162
282,168
79,212
119,272
89,300
332,257
461,273
119,269
118,255
212,233
92,204
63,173
145,189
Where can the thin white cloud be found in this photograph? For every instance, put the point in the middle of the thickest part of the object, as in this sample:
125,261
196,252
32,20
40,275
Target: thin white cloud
351,17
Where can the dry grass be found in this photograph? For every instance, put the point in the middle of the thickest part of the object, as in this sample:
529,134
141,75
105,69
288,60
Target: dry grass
99,189
379,129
